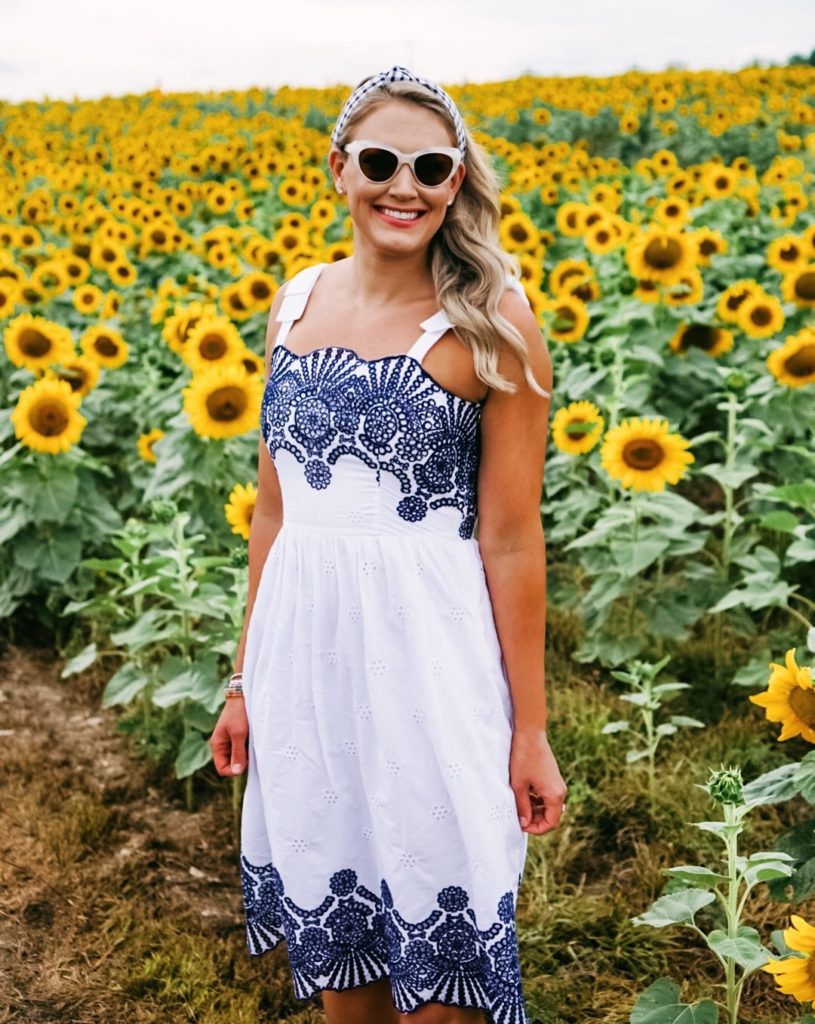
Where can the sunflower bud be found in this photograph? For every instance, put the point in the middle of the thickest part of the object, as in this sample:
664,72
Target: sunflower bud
736,381
162,510
239,556
726,786
606,355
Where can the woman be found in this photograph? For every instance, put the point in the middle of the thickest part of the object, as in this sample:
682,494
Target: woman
392,694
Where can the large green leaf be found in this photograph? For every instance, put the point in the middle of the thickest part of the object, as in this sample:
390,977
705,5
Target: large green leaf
676,908
634,556
660,1004
126,684
149,628
772,787
79,662
745,947
52,497
697,876
193,754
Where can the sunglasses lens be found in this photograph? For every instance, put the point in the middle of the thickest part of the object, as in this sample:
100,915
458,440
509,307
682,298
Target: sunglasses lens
433,168
377,164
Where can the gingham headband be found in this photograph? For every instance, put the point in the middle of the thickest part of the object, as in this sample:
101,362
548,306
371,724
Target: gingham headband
400,74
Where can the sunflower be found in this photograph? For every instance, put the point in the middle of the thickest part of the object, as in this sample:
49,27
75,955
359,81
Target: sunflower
732,298
793,363
257,290
600,237
337,251
177,327
647,291
786,253
35,343
81,373
674,210
214,339
252,362
709,243
106,346
87,298
577,428
687,291
240,507
798,286
569,318
574,277
9,296
715,341
519,233
642,455
232,302
145,444
795,975
719,181
223,401
661,253
51,277
570,218
790,699
760,316
47,418
113,301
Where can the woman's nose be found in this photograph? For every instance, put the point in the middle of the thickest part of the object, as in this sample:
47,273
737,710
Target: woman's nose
403,180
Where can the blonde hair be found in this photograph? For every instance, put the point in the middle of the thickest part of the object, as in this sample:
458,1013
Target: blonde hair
468,265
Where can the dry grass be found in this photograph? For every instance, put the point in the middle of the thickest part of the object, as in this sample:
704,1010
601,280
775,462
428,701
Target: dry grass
119,905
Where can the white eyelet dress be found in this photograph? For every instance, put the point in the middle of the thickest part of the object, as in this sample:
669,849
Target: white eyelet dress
379,830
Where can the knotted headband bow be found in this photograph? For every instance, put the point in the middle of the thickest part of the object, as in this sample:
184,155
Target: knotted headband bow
400,74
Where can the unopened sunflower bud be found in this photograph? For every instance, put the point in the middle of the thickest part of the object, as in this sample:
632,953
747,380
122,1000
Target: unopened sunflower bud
736,381
726,786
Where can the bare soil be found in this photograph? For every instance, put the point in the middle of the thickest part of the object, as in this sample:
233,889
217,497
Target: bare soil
117,903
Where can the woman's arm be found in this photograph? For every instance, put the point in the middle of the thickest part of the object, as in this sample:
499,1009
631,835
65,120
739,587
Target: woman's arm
513,550
267,517
510,533
229,738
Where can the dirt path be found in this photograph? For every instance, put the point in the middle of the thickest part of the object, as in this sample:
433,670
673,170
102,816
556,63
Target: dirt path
116,903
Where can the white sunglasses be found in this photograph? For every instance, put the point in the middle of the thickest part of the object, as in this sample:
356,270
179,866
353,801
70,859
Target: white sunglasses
379,162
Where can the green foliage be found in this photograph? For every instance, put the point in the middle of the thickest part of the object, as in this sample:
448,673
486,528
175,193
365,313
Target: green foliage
174,614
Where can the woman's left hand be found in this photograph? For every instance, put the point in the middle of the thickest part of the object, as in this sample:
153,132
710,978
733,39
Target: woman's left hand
539,788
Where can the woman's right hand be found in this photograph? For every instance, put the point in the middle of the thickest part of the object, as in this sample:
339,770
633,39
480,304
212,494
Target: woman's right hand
228,740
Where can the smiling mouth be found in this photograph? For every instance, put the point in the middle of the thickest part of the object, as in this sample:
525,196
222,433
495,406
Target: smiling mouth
406,215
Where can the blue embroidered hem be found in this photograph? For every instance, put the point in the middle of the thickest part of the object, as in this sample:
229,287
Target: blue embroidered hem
355,937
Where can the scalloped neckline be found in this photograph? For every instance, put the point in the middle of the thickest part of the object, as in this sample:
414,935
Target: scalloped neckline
381,359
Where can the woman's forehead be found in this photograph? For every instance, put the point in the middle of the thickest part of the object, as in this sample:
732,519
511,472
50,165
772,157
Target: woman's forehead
400,124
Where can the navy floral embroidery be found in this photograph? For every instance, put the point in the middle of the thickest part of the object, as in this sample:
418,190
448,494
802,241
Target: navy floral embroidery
354,937
393,416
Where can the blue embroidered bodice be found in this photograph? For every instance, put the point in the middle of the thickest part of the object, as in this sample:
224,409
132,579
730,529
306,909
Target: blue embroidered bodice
418,442
389,413
395,450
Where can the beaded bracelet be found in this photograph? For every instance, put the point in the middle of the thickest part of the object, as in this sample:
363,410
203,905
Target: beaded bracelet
235,687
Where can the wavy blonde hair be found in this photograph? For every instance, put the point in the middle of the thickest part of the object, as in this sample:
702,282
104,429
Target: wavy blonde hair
468,265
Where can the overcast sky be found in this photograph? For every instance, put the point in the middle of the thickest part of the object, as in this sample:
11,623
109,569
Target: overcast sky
89,48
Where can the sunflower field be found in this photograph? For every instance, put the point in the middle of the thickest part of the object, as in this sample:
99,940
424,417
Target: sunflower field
665,231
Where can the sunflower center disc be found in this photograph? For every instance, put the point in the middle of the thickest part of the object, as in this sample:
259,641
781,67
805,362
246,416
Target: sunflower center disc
802,362
643,454
802,703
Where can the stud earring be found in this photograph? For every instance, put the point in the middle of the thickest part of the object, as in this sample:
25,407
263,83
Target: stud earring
449,202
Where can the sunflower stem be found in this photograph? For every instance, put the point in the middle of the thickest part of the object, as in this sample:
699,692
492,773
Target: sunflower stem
728,526
733,818
632,595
